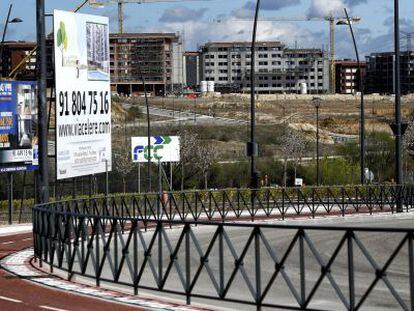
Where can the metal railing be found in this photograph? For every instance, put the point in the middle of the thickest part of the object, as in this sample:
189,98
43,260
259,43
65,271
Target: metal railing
128,241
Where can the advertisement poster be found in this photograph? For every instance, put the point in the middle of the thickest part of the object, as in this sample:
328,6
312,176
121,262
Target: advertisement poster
83,97
18,126
163,149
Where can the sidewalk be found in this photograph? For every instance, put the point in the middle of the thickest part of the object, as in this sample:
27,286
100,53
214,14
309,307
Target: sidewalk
6,230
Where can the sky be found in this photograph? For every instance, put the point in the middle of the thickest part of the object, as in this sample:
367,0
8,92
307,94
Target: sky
201,21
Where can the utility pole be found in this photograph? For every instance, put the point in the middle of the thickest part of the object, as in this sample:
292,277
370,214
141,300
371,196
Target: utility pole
120,17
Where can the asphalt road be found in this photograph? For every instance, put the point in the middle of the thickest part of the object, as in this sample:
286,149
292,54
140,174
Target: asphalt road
17,294
379,245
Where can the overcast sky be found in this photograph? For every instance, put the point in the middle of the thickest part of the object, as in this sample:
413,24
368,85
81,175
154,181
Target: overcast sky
198,21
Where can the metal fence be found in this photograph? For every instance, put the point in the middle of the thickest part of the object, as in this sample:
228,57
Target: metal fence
129,241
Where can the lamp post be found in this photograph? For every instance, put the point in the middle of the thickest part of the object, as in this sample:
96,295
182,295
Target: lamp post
8,21
398,130
43,173
252,148
317,103
349,22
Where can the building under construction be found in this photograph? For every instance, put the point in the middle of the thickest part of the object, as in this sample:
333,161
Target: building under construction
156,58
380,73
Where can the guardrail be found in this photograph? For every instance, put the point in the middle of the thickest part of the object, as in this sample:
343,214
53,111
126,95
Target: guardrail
127,240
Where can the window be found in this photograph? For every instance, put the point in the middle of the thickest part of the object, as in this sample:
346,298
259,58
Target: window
222,56
263,63
222,78
262,55
276,63
222,64
222,49
223,71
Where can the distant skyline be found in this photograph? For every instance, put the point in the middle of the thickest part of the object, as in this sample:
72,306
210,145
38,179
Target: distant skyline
198,21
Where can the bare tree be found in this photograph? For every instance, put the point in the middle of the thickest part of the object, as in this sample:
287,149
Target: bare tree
205,157
293,147
188,146
123,162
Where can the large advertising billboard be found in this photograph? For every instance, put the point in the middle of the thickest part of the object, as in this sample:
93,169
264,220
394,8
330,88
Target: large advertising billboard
83,98
162,149
18,126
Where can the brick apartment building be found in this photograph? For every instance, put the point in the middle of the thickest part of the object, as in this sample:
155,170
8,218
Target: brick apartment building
158,57
13,53
347,76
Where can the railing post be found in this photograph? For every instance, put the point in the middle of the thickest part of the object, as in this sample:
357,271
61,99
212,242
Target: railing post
351,279
221,261
302,269
411,267
160,265
258,268
135,263
187,265
97,253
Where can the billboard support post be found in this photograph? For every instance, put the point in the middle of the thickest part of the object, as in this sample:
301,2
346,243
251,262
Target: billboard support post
106,180
159,190
139,178
43,173
10,178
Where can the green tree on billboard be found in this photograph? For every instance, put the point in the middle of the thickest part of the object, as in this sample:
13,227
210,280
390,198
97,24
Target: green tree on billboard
62,39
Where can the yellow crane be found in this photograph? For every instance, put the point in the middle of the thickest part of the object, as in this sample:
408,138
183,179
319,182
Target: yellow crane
333,20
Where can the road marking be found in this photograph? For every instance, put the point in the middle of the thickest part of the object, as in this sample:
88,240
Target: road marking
10,299
9,242
27,239
52,308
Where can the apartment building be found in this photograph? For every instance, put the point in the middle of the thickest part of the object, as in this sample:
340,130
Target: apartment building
157,57
279,69
13,53
192,69
380,73
347,76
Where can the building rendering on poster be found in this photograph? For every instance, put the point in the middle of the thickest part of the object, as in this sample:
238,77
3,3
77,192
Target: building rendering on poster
83,98
163,149
18,126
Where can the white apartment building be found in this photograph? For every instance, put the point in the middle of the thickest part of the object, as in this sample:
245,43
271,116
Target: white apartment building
279,69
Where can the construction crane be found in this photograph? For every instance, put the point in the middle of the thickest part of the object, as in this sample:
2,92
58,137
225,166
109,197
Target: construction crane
99,3
333,20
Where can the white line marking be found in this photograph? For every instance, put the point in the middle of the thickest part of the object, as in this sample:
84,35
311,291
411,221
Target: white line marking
52,308
9,242
10,299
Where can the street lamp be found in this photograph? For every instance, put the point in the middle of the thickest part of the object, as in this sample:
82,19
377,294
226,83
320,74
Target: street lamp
8,21
348,21
317,103
252,148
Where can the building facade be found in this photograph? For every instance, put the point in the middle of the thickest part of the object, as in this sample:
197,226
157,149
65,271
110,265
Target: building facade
13,53
156,57
347,76
380,73
279,69
192,69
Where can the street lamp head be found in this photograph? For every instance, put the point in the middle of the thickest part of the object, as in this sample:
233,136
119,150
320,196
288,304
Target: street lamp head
16,20
316,102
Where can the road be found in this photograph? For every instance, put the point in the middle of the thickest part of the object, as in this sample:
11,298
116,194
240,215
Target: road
380,247
17,294
188,117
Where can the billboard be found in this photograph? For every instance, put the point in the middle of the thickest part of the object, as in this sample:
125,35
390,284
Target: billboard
163,149
18,126
83,98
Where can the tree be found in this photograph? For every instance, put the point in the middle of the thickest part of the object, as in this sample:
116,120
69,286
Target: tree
123,162
62,39
188,146
206,156
293,147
